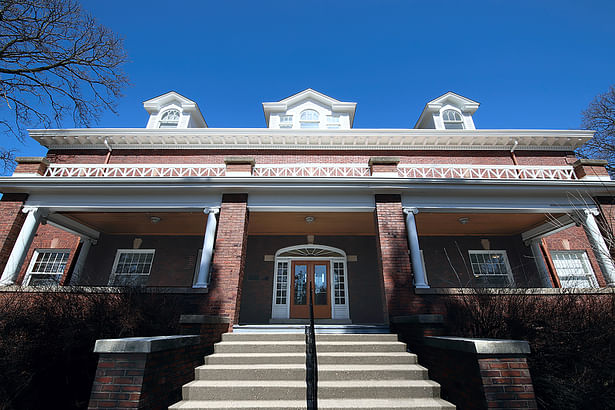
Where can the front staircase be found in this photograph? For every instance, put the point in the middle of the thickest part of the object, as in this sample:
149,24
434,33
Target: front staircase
255,370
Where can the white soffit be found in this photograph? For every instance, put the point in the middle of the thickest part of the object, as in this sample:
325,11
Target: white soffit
353,139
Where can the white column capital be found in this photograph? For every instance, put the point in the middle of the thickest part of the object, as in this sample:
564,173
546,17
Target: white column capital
208,211
409,210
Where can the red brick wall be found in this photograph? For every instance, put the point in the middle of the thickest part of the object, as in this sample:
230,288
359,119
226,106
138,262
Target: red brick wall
49,237
143,380
11,221
393,254
507,383
213,156
229,258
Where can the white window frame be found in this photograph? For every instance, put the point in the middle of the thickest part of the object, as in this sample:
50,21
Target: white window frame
338,311
169,123
583,258
303,121
286,121
454,121
333,121
118,253
508,274
35,255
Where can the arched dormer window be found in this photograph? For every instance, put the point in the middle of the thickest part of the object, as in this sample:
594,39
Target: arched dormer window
309,119
169,119
452,120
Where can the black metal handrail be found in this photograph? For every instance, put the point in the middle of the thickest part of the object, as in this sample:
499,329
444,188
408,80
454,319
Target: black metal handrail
311,364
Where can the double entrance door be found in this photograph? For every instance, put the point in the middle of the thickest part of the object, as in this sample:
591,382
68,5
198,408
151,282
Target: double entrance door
302,274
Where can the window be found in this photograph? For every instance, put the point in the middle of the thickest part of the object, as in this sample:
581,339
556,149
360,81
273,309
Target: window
452,120
491,268
169,119
573,269
131,267
286,121
46,267
281,283
333,121
310,119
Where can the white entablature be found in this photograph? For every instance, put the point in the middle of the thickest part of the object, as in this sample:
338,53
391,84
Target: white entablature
173,110
449,111
309,109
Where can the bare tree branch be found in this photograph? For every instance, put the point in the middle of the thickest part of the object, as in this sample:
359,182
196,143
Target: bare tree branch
600,116
55,61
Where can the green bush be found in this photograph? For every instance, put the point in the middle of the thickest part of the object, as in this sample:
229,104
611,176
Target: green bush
572,338
47,341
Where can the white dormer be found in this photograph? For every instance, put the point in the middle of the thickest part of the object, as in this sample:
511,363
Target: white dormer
448,112
309,109
173,110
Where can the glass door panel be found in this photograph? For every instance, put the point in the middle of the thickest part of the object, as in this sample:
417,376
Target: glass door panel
300,285
320,285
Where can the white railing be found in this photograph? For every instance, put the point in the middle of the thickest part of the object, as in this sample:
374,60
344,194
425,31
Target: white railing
314,170
311,170
134,170
486,172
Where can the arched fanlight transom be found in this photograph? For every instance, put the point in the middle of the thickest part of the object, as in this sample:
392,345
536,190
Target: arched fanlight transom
310,251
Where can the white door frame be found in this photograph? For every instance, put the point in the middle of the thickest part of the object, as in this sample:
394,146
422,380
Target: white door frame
310,252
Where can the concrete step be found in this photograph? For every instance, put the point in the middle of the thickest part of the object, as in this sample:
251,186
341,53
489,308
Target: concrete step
323,358
326,404
293,390
298,347
297,372
300,337
319,328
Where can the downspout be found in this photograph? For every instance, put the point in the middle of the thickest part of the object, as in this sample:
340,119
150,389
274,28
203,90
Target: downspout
512,152
108,157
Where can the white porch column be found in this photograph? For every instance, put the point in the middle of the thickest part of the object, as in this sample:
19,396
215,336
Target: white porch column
22,244
540,263
415,250
86,243
202,279
601,250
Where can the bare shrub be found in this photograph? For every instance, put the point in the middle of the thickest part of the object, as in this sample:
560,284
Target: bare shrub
572,338
46,341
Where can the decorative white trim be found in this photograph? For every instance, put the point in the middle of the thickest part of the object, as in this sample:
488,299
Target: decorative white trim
134,170
311,170
347,139
486,171
338,311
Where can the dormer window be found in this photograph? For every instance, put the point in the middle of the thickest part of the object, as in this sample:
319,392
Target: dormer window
286,121
310,119
333,121
452,120
169,119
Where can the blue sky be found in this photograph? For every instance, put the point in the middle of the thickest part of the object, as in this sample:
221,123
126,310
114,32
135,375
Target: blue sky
531,64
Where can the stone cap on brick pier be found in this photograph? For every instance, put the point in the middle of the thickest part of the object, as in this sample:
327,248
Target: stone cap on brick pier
145,344
479,346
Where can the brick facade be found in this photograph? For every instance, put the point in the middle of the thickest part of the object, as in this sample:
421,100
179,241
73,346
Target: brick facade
11,221
393,253
143,380
217,156
229,258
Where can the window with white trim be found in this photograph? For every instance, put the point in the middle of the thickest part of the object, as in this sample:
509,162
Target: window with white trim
169,119
286,121
333,121
491,268
46,267
309,119
452,120
573,269
131,267
281,283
